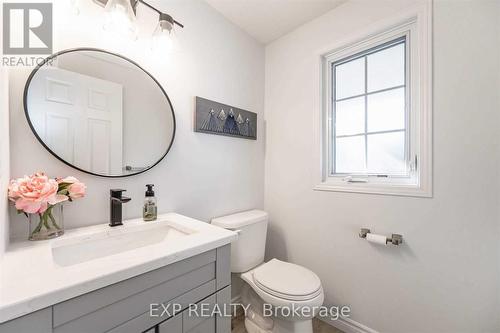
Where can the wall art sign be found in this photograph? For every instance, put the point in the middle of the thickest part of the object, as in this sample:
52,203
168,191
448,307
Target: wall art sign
222,119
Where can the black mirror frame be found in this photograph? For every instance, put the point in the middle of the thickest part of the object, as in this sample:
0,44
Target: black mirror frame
55,55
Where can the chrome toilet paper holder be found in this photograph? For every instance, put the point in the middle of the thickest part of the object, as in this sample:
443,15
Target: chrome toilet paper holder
395,239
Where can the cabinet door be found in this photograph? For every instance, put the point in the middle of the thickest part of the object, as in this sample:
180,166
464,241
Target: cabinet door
213,314
206,326
172,325
198,313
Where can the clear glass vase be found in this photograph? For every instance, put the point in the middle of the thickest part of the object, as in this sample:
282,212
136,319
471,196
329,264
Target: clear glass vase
47,225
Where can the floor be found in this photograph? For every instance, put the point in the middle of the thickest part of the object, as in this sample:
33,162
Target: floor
238,326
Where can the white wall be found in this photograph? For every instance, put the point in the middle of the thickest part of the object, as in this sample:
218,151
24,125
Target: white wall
4,159
4,152
203,175
445,277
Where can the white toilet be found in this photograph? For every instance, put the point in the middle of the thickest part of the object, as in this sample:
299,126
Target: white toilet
292,293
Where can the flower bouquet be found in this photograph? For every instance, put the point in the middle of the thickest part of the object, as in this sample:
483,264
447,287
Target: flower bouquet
40,199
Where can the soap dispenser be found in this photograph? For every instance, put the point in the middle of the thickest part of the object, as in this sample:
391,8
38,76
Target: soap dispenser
150,211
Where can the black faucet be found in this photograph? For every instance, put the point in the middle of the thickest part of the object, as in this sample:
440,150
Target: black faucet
115,201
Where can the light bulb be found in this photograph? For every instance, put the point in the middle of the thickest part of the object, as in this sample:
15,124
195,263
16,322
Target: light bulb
164,37
120,18
75,7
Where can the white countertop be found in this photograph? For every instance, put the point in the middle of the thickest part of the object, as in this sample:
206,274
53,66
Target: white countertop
31,280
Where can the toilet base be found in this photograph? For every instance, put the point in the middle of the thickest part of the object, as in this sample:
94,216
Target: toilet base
252,327
285,326
281,326
255,322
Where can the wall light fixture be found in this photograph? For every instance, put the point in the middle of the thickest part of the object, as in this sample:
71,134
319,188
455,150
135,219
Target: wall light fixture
121,16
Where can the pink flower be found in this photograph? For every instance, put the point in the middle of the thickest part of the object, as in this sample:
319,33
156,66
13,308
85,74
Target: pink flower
75,188
35,193
67,180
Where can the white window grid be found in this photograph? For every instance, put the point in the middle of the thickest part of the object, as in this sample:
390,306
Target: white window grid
411,162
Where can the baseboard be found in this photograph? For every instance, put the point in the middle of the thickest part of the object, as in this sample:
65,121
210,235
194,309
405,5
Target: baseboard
348,325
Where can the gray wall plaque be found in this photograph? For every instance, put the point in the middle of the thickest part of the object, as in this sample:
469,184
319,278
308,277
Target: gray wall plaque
221,119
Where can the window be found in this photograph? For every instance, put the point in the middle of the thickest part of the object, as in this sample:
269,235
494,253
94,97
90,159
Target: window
369,112
376,118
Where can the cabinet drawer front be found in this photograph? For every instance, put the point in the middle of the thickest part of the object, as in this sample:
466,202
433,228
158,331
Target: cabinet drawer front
85,304
193,316
206,326
36,322
173,325
217,305
146,320
122,311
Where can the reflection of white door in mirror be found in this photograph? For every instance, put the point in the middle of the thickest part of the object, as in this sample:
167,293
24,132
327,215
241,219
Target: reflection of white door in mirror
79,118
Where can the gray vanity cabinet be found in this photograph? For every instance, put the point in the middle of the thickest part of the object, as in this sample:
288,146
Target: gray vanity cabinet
172,325
124,307
186,323
39,322
194,322
206,326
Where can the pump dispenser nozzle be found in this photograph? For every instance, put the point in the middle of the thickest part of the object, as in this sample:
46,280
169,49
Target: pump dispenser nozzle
150,192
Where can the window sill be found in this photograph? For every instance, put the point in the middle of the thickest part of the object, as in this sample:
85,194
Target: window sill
382,189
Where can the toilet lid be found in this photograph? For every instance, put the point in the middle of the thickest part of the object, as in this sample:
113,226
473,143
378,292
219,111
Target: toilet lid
286,280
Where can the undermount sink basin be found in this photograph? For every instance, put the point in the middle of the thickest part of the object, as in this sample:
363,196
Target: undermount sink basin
67,252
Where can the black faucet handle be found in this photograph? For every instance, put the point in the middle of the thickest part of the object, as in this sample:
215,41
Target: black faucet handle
116,193
116,201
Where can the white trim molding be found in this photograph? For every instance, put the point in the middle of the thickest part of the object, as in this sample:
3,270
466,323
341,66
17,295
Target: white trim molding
347,325
416,25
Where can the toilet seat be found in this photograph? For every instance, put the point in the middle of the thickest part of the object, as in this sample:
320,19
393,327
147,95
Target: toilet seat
287,281
273,294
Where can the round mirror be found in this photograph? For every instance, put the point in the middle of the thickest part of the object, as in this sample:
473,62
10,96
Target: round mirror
99,112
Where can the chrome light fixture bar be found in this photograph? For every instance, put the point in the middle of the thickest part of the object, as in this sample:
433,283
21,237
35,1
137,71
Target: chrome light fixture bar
165,21
163,16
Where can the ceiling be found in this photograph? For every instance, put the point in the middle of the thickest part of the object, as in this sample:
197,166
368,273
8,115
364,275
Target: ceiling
267,20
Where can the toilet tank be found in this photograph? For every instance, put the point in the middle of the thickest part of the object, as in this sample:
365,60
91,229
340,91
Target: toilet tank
248,250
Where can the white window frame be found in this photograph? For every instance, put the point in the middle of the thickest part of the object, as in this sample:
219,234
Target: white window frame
416,27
